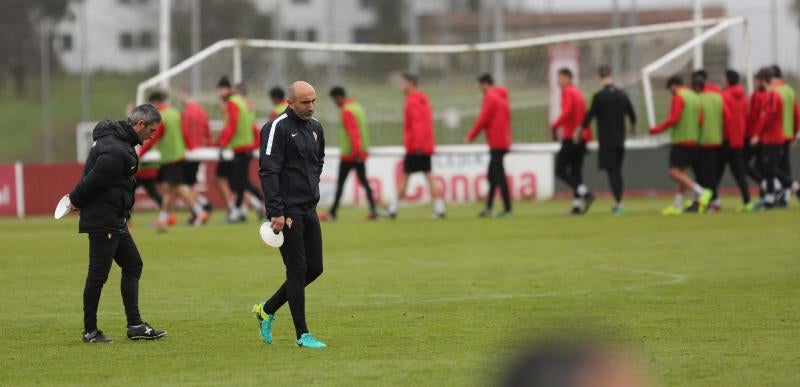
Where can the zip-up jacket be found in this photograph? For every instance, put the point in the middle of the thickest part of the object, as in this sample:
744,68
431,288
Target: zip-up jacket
735,101
573,108
610,105
291,155
104,193
418,135
495,118
758,103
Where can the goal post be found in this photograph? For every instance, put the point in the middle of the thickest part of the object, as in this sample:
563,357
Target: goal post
371,73
677,61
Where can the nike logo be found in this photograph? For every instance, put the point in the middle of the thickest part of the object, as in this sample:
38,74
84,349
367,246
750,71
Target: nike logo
133,167
294,134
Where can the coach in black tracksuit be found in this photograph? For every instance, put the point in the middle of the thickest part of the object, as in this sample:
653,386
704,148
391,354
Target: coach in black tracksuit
609,106
291,155
104,196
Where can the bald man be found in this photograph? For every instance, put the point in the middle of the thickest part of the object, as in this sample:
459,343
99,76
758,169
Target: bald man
292,151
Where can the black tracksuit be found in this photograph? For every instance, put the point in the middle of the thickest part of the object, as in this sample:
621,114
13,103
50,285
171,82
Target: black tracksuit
610,105
104,196
291,155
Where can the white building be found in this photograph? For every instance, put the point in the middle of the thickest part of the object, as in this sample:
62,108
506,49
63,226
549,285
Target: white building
121,35
339,21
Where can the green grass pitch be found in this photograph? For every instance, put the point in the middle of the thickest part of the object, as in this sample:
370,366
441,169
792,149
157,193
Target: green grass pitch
708,300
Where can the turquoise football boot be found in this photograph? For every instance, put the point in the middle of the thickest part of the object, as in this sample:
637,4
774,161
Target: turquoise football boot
264,321
307,340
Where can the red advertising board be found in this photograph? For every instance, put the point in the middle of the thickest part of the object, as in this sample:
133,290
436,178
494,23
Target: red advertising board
8,189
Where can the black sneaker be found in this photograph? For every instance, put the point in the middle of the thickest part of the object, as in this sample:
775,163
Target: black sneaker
588,199
575,211
144,331
96,337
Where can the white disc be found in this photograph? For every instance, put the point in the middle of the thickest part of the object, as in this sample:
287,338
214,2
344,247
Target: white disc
62,208
270,237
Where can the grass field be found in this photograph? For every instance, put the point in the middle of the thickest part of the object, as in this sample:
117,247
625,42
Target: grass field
702,300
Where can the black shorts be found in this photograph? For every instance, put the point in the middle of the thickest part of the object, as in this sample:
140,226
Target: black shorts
190,169
682,156
224,168
610,157
416,163
171,174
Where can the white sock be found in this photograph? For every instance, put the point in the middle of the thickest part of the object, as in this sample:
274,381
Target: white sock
678,202
162,216
618,205
698,189
198,208
255,202
394,206
202,200
438,206
244,210
764,185
576,203
778,185
769,198
795,186
583,190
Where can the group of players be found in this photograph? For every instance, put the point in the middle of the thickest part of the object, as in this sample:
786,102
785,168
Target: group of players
180,132
711,129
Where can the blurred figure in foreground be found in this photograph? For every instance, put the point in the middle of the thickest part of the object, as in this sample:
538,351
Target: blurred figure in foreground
573,364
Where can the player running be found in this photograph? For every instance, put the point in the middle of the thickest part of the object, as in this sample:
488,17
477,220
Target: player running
237,135
292,153
610,105
771,135
569,160
419,139
279,103
732,154
353,145
752,150
684,125
712,110
495,119
790,129
196,134
171,176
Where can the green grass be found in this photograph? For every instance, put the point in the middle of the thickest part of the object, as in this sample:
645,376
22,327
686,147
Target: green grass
703,300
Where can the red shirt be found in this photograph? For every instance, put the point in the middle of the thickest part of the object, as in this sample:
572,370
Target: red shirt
573,109
675,112
771,127
232,114
418,134
735,101
758,102
147,145
495,118
194,123
350,124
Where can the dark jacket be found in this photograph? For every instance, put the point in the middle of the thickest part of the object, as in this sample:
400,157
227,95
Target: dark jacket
292,151
104,194
610,105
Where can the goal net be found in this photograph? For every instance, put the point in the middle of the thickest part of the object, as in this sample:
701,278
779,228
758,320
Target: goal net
447,73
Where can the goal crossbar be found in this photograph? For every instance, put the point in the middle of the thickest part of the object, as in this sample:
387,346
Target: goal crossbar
237,44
